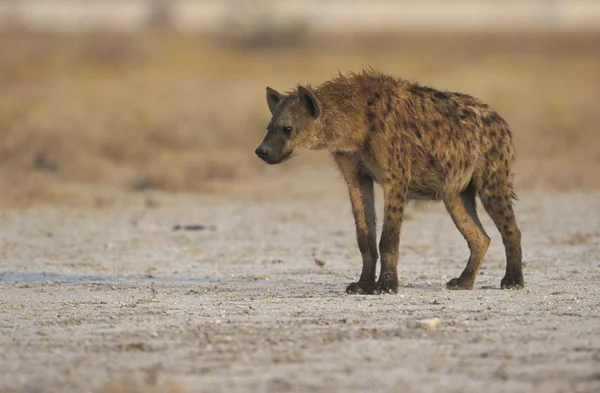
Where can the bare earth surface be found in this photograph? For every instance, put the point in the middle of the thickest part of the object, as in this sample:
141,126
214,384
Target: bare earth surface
114,299
101,135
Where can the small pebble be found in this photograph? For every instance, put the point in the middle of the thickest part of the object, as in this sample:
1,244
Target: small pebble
429,324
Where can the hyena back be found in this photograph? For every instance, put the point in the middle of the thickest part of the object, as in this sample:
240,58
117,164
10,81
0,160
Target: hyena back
419,144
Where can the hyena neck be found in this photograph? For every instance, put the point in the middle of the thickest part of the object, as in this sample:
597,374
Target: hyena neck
339,127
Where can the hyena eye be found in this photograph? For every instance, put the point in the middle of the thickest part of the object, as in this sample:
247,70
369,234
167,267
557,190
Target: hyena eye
288,130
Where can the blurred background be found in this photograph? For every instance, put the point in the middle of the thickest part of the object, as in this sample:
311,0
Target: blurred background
128,96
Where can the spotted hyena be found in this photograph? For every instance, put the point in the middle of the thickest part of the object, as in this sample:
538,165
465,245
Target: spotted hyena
419,144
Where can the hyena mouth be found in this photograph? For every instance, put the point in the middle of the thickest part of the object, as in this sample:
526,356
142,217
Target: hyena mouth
280,159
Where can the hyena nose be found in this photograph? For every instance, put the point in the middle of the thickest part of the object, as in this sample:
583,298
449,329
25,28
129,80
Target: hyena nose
262,151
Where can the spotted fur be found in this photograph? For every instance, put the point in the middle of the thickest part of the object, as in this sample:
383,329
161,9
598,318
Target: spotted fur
419,143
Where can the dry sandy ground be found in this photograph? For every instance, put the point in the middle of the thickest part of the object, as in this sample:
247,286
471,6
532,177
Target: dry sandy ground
113,299
98,293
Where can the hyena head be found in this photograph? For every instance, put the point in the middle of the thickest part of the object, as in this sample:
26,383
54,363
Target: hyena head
293,127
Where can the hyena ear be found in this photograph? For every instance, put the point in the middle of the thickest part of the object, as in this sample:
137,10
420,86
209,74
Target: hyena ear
273,99
310,101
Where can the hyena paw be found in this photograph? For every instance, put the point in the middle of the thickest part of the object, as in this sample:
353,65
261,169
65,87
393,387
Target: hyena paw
360,288
387,283
459,283
512,282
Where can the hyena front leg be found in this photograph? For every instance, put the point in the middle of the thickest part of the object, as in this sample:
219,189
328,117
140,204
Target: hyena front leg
363,208
395,200
360,188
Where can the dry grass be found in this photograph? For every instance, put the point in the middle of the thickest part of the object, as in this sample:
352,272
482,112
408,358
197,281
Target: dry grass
171,112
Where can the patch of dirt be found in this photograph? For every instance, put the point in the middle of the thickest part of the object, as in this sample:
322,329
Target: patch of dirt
111,299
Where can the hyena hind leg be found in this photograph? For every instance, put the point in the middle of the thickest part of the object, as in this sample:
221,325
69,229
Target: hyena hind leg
497,201
463,211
